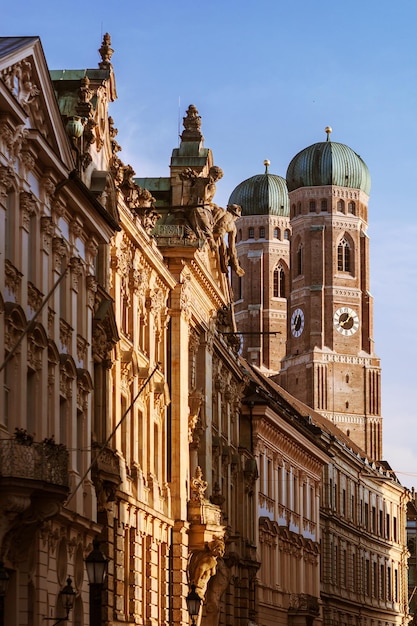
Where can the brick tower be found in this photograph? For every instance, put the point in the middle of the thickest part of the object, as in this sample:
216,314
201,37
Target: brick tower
330,362
263,234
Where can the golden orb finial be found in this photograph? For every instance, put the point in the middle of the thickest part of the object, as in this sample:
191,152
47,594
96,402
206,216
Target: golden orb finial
267,163
328,130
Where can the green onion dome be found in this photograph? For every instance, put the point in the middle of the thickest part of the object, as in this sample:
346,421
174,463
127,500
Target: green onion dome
263,194
328,163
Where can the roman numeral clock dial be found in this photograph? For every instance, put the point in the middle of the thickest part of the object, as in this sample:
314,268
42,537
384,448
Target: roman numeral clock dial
346,321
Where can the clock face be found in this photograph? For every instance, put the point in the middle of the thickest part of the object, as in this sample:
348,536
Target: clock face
297,322
346,321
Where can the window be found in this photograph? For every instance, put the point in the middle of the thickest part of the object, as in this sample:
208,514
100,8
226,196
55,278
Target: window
251,233
286,234
299,260
352,208
341,206
323,205
312,205
239,288
276,233
343,256
262,232
375,580
299,208
240,234
279,282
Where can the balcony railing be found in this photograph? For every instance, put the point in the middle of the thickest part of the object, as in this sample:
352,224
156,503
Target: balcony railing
45,461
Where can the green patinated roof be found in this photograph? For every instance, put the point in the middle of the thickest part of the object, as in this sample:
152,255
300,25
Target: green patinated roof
328,163
67,83
263,194
154,184
70,75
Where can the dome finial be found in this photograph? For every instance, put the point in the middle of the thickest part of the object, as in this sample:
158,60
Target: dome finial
267,163
328,131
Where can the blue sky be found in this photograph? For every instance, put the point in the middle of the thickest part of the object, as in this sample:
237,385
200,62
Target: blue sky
267,76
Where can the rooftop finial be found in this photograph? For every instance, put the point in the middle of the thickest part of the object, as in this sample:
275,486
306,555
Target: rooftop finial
328,131
267,163
192,125
106,52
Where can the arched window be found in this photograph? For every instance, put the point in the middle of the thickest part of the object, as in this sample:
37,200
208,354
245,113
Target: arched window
312,205
262,232
286,234
352,208
344,256
276,233
279,281
251,233
341,206
299,208
299,260
240,234
293,213
324,205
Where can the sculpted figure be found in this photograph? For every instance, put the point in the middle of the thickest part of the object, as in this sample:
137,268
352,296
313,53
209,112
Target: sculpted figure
224,224
203,565
200,203
203,188
216,587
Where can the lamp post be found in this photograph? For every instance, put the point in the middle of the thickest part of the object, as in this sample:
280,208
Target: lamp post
96,564
67,595
193,604
4,581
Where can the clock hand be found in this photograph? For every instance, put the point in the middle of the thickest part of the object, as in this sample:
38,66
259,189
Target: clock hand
349,317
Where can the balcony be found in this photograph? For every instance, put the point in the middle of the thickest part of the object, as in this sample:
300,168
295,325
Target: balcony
45,462
33,484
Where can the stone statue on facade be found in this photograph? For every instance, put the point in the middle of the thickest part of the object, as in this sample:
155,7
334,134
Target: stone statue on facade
206,220
224,224
216,587
203,565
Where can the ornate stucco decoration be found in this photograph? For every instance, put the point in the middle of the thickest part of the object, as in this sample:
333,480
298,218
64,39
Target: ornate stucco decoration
7,176
140,201
105,473
20,80
195,401
12,137
206,534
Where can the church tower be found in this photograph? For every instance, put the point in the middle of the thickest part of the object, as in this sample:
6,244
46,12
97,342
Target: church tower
260,296
330,362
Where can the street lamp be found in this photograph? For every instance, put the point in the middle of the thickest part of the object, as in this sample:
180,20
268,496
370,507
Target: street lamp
4,581
67,595
193,604
96,564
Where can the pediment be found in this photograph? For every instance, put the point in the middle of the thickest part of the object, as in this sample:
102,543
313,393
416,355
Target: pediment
30,93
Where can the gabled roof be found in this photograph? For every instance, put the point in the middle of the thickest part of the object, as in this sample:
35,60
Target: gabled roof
9,45
25,76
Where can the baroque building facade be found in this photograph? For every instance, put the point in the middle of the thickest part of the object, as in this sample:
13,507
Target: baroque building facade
51,231
129,416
